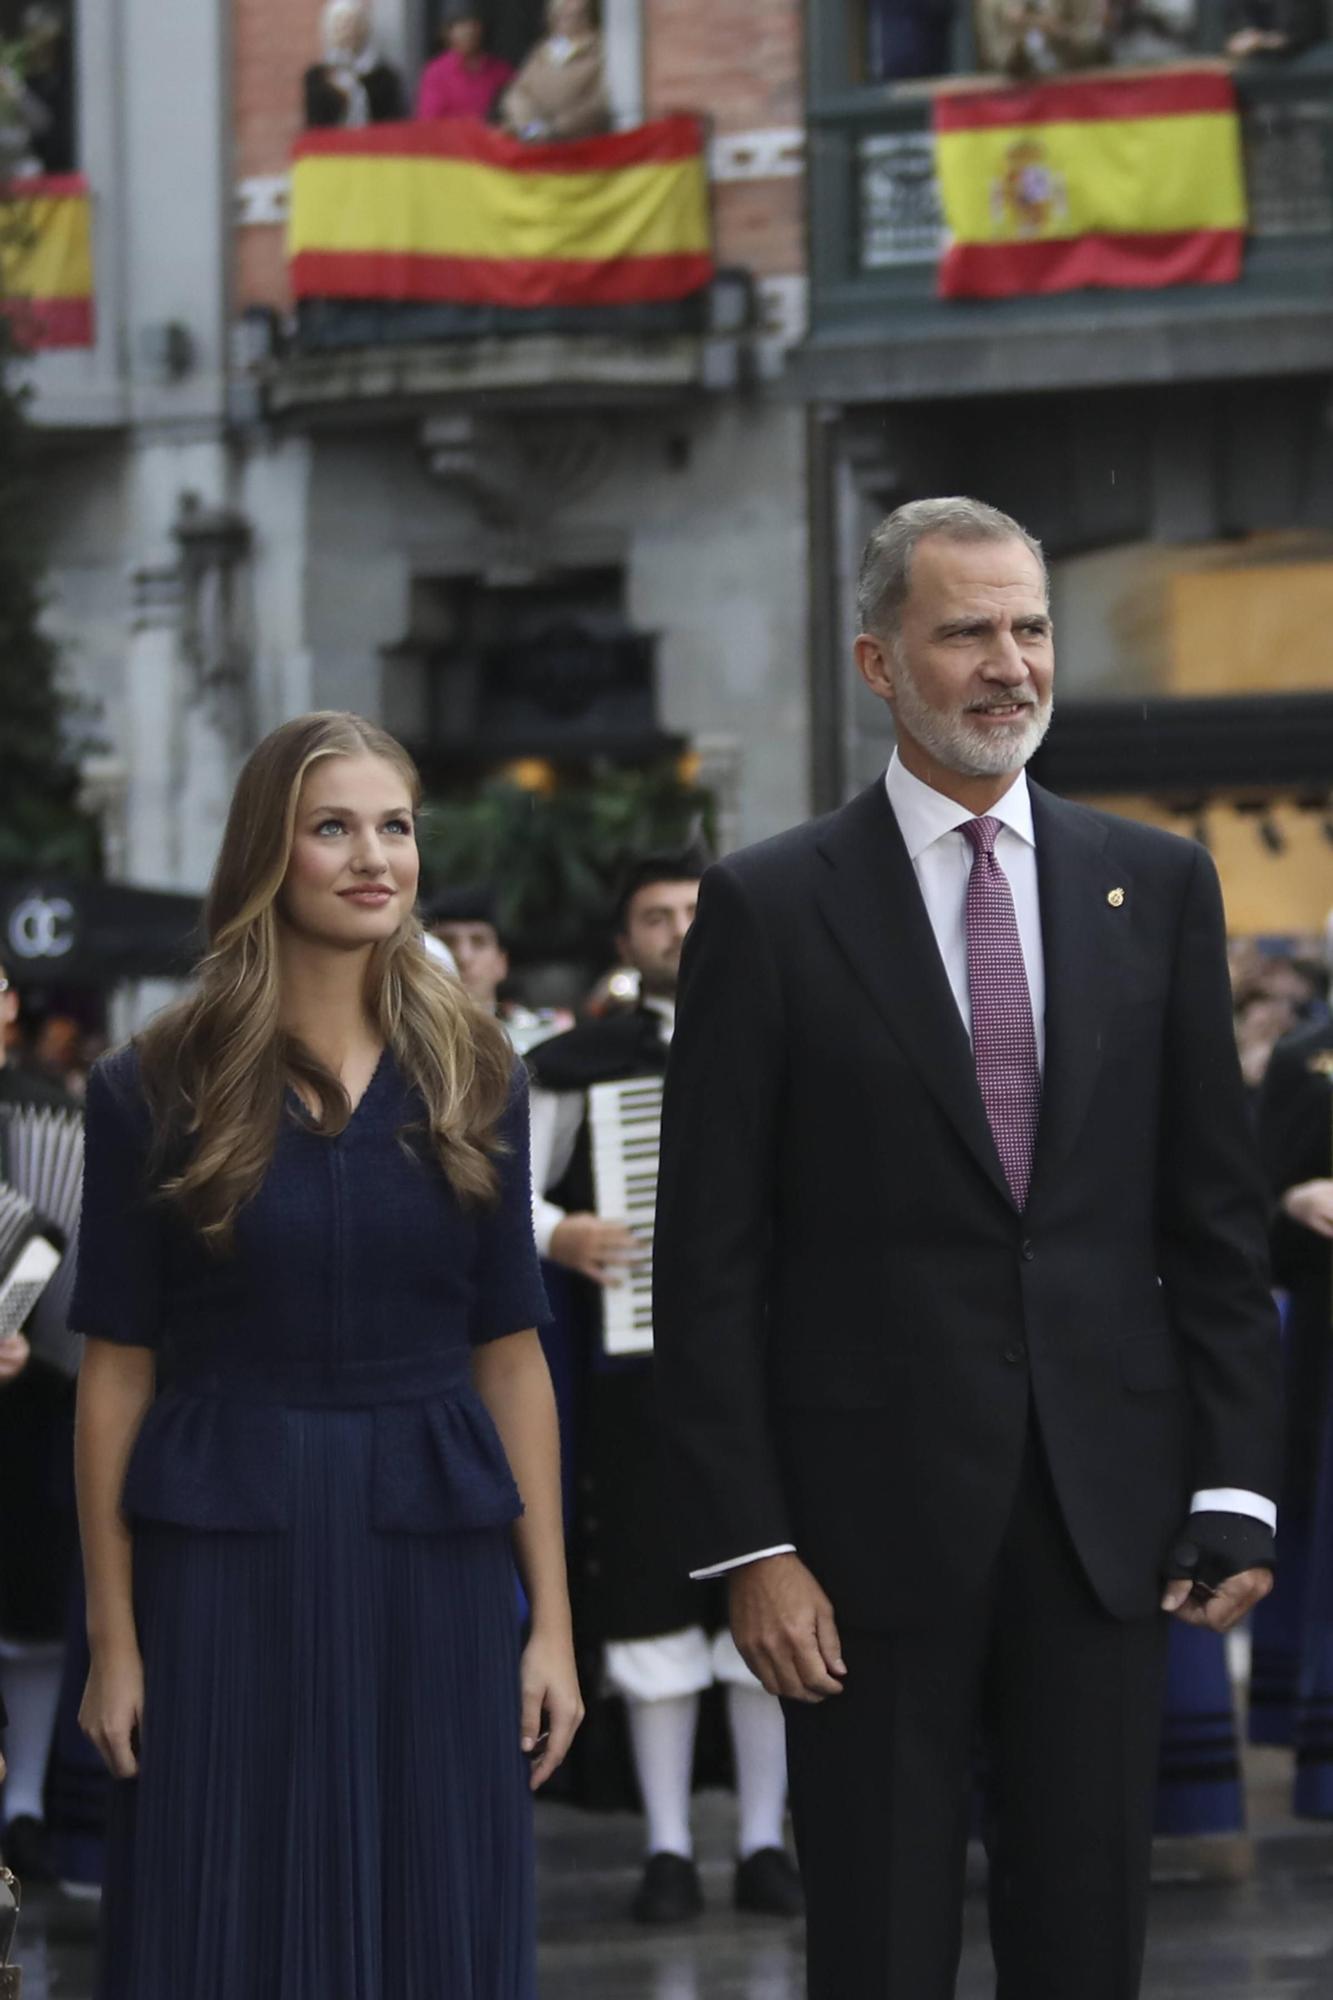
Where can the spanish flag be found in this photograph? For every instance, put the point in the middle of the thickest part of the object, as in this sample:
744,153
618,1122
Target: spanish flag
1110,180
46,261
459,213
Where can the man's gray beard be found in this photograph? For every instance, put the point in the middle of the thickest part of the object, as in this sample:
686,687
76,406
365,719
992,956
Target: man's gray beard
972,751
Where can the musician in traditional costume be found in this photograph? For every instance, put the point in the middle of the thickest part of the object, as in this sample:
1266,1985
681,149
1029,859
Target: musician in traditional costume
1295,1643
660,1648
467,920
40,1134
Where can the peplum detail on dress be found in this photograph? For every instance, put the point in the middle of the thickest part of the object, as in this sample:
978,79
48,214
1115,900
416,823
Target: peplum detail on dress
205,1462
439,1467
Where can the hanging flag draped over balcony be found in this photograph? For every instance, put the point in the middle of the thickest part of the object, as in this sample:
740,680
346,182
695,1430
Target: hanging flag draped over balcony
456,212
46,260
1119,181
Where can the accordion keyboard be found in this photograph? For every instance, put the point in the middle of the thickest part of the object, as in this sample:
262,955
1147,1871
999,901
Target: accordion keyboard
625,1126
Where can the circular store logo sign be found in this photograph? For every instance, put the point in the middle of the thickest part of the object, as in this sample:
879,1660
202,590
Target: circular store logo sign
41,927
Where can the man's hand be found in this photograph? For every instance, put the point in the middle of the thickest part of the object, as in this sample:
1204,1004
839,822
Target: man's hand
14,1356
784,1629
1311,1204
1218,1610
595,1248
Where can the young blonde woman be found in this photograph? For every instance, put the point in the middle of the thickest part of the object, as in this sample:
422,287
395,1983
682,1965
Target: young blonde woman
311,1399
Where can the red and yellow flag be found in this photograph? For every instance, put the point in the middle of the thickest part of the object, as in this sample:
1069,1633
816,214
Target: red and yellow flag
46,260
1131,180
459,213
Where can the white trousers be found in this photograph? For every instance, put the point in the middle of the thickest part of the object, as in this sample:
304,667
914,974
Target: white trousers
676,1664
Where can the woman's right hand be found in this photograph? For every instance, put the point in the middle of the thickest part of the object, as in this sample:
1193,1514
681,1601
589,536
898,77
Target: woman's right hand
111,1713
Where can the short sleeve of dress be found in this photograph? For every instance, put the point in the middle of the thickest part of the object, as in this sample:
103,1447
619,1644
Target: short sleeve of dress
509,1291
118,1281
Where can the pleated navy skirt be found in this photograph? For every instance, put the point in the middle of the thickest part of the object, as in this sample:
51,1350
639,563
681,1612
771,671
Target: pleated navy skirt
332,1801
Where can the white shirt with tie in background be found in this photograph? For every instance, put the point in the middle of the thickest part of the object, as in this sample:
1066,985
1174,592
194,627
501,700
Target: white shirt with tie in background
941,855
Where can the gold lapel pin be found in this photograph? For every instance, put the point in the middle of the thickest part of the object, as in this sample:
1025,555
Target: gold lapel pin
1115,897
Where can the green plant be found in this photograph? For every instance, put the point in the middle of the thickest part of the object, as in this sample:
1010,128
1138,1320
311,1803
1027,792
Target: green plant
553,857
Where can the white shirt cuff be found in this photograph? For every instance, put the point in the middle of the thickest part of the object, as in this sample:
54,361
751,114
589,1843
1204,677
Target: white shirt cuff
739,1562
1235,1500
546,1219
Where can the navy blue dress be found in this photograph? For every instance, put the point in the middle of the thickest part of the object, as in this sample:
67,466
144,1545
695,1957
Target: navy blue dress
332,1801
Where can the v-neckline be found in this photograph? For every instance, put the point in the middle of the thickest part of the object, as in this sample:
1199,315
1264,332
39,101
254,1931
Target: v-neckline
306,1116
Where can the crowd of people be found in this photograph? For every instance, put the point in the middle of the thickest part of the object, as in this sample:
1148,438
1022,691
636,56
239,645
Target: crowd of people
352,1283
1034,38
558,92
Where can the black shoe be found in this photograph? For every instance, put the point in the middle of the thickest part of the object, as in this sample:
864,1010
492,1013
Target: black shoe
767,1884
28,1850
670,1891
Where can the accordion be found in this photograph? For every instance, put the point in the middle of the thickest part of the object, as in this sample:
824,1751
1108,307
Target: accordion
41,1166
10,1977
28,1261
625,1125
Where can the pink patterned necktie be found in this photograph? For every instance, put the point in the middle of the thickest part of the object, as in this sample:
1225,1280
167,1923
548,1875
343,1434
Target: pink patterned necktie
1004,1041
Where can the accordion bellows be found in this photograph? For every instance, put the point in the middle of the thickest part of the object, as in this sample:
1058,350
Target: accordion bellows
28,1261
41,1164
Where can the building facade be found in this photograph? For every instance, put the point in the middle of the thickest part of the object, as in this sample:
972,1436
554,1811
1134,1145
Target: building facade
1172,448
244,523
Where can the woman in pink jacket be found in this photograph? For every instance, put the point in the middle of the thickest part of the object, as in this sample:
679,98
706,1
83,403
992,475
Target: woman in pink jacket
466,79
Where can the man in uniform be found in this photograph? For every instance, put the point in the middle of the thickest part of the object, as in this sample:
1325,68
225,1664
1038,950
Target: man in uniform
648,1620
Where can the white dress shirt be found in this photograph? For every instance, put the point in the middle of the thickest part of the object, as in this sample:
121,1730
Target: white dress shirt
941,857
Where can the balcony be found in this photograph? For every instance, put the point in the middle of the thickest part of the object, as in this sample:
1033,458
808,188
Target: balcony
591,280
879,330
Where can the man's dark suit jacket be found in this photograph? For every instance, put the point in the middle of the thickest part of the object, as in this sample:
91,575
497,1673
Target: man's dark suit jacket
852,1319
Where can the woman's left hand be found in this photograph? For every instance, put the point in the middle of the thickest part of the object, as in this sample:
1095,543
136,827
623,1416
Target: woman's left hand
552,1703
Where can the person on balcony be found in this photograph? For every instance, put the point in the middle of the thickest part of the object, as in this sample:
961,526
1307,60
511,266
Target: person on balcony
1273,27
1154,31
560,92
466,80
353,85
1034,38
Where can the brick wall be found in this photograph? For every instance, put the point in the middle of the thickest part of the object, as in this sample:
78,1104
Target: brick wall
274,43
736,61
740,63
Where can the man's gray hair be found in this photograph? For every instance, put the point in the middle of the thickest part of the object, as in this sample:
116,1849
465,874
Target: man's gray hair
886,566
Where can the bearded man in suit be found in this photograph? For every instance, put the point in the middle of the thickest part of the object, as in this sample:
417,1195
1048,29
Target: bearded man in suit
967,1364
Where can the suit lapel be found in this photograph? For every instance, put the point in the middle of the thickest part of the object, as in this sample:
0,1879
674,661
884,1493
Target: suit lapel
872,904
1077,946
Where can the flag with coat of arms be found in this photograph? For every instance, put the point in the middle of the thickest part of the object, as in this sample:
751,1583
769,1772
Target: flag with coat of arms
1129,179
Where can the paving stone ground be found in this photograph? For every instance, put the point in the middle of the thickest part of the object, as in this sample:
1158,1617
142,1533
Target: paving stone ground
1269,1937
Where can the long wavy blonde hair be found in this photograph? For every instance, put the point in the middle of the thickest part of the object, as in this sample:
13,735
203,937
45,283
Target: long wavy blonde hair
217,1065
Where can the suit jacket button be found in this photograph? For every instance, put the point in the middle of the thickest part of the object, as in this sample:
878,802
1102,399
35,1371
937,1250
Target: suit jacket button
1026,1250
1016,1354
